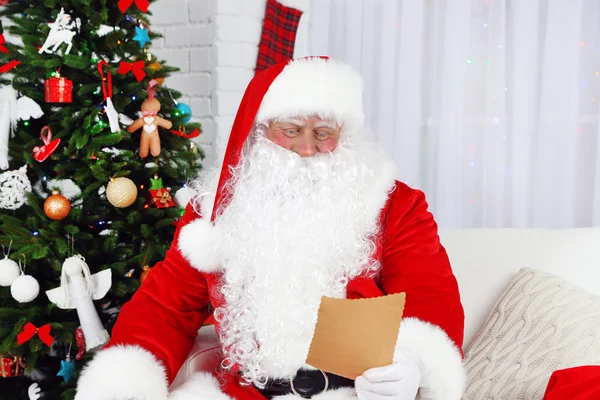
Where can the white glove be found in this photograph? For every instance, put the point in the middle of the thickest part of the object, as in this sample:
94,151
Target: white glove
398,381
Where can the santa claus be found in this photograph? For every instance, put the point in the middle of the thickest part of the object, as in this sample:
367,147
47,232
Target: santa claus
303,206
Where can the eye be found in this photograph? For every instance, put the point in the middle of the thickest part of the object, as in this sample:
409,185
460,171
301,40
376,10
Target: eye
322,135
291,132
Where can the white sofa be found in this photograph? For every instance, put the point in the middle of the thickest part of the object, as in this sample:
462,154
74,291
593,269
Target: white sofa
484,262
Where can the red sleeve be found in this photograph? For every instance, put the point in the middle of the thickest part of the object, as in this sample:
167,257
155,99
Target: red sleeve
579,383
165,314
415,262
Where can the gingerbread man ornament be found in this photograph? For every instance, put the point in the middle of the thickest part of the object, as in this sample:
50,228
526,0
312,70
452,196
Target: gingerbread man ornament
150,121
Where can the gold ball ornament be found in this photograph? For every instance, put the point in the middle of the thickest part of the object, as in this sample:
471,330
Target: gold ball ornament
57,206
121,192
145,273
156,66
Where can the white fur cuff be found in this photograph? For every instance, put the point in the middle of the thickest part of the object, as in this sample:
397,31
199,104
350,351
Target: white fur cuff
200,243
300,5
201,385
123,372
437,357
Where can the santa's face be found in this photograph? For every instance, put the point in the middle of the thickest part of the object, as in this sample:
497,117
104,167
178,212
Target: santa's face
305,136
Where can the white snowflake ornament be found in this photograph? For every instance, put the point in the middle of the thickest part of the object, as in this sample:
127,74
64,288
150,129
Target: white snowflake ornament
13,186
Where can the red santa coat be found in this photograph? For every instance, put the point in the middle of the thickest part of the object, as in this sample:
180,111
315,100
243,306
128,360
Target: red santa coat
165,314
579,383
156,329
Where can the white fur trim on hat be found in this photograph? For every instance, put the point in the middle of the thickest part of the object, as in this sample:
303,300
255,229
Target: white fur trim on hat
200,385
207,201
300,5
315,86
123,372
437,357
200,243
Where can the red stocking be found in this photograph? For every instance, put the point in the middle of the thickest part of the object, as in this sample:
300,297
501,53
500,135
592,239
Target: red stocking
279,32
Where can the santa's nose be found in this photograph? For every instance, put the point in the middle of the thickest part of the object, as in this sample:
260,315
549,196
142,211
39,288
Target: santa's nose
306,148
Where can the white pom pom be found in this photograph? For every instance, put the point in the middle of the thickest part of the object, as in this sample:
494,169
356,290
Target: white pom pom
200,242
73,266
25,288
182,197
9,271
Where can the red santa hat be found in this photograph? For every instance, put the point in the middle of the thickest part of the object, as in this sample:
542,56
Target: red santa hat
293,88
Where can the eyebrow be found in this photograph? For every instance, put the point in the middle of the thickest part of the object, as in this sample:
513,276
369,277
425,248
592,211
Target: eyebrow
299,122
326,124
292,121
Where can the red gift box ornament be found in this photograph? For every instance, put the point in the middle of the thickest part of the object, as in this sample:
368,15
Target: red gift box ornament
159,196
58,90
41,153
11,366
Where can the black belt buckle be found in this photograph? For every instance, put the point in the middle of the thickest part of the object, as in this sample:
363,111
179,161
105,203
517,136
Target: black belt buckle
307,393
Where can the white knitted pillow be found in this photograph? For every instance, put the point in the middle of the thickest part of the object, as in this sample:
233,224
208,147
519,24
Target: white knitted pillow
542,323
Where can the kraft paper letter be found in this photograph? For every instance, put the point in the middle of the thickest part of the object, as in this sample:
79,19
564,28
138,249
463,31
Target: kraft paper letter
352,336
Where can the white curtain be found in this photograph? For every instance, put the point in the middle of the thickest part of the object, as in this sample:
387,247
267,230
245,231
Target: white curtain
489,106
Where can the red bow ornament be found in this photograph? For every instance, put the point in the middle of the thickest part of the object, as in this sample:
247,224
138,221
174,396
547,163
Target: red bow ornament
141,4
3,48
7,67
30,331
136,67
42,153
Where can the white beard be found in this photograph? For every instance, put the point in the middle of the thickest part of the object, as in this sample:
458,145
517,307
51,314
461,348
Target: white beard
295,229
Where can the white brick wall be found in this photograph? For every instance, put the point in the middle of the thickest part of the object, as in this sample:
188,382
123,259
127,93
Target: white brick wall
237,29
188,39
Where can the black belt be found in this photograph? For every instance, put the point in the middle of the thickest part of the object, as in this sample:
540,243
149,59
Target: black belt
306,384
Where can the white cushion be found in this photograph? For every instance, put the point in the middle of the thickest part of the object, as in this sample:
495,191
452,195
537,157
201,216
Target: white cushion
542,323
485,261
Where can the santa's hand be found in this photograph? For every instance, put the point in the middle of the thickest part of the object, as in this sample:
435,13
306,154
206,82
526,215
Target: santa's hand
398,381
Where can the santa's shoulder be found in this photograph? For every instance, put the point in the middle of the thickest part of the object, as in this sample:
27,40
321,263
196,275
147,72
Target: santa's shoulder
404,200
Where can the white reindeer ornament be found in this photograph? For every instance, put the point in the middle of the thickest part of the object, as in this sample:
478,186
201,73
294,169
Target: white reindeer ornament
77,290
62,30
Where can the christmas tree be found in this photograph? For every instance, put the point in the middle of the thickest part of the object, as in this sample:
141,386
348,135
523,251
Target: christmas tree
86,180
